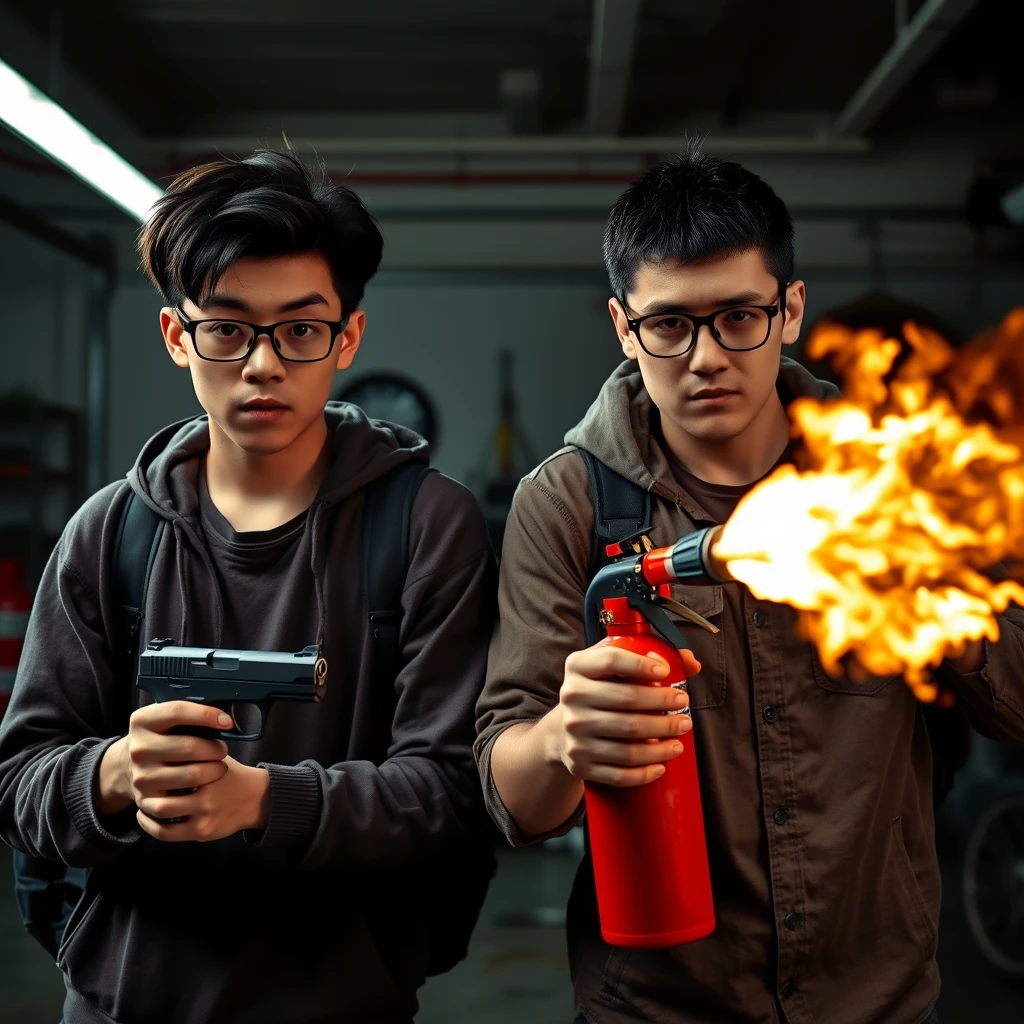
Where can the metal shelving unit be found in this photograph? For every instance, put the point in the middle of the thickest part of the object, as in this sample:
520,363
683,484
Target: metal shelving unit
42,479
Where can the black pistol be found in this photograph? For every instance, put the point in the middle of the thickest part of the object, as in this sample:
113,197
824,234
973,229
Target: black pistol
224,678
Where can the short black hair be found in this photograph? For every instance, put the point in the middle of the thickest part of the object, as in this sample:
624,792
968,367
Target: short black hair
268,204
691,209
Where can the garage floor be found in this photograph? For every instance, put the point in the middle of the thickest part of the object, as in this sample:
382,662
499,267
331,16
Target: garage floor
517,971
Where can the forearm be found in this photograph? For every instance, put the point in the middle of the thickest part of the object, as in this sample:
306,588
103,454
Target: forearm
533,783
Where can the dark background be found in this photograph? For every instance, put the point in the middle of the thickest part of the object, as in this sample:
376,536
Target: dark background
489,140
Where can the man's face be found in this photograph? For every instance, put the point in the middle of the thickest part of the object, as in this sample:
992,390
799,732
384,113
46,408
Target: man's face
710,393
263,403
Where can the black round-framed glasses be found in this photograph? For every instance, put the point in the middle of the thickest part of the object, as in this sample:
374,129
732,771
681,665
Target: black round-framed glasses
743,328
230,341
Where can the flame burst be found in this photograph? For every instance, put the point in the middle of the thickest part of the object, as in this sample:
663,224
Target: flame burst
912,491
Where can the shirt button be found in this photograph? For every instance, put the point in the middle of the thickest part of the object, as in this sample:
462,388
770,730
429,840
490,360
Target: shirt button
760,618
793,921
781,817
786,990
770,714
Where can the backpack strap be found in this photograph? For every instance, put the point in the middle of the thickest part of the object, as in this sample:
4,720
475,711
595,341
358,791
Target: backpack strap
385,555
621,508
135,544
47,891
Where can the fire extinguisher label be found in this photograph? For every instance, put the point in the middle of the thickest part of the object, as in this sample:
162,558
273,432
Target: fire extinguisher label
13,624
7,679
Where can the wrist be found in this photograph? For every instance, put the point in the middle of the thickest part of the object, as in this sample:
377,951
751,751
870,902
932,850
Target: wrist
548,738
112,792
259,799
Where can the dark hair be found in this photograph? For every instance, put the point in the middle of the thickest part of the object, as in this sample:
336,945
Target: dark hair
693,208
269,204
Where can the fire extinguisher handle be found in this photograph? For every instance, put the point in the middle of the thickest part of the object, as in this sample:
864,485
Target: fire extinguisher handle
659,620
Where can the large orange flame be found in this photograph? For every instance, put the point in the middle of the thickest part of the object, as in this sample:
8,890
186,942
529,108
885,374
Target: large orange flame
911,491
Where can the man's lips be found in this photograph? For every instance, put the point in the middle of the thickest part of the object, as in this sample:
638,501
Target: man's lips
711,393
258,404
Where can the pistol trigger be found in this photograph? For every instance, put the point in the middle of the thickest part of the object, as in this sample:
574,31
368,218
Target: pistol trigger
262,708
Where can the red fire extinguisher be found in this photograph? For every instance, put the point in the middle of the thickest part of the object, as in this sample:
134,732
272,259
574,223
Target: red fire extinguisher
647,842
15,605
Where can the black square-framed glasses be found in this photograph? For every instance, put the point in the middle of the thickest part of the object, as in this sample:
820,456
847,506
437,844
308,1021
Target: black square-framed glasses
672,333
222,340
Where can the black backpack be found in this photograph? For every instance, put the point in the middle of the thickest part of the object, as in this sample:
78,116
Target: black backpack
622,509
47,891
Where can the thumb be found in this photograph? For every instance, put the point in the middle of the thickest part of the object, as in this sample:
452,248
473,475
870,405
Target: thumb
656,657
691,666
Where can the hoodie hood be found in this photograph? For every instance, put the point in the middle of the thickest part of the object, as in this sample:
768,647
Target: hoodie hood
166,474
634,452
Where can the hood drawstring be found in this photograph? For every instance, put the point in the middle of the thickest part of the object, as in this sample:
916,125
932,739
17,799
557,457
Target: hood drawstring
314,528
180,570
182,531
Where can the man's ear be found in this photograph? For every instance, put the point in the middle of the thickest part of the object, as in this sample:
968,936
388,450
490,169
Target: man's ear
175,338
796,299
348,340
622,328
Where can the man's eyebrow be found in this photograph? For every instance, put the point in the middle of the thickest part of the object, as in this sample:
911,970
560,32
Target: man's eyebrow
312,299
225,301
740,299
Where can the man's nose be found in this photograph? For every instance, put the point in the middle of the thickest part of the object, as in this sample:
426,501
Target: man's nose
263,361
707,356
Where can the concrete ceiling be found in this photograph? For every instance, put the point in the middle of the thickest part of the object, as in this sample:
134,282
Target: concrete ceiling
223,68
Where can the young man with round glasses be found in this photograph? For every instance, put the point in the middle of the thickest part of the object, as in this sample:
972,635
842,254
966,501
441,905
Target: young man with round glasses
283,879
817,791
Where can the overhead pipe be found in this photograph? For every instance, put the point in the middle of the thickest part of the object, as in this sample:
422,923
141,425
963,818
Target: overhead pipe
916,41
529,145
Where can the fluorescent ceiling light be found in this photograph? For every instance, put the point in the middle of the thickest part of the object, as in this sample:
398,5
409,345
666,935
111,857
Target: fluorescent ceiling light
49,127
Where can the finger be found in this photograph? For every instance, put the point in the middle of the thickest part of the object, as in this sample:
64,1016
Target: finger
613,696
614,663
691,666
633,755
610,775
165,807
161,717
166,832
164,777
617,725
159,748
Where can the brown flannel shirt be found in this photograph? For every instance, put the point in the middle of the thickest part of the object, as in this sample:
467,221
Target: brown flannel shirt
816,791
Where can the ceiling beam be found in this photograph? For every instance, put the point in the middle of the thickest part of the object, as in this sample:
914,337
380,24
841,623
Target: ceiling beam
915,42
611,54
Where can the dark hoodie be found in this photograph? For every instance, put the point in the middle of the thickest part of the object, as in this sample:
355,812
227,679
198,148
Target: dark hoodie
316,918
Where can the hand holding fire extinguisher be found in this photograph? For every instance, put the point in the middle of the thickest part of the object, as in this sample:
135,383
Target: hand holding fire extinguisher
643,799
620,723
